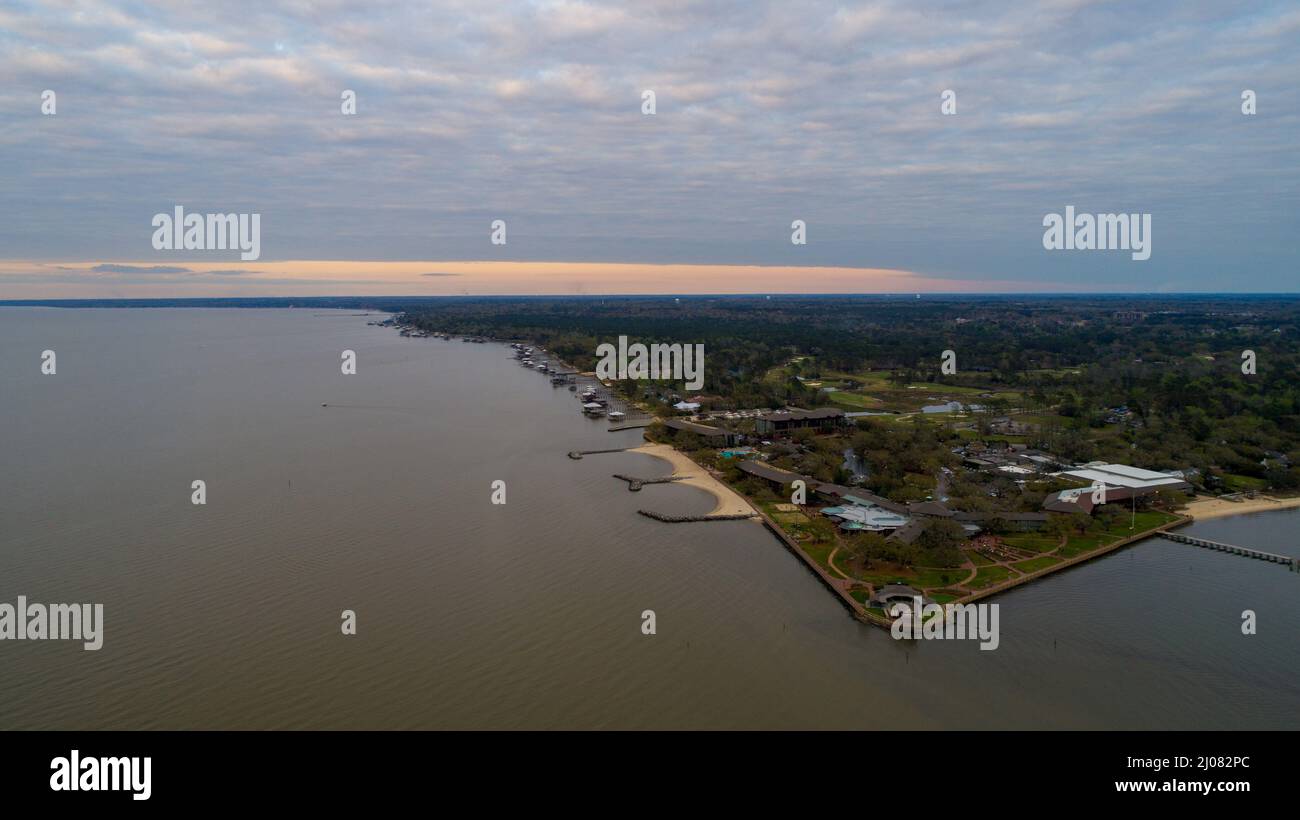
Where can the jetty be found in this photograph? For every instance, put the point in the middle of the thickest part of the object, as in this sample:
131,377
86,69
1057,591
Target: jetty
576,454
1292,563
634,484
631,425
686,519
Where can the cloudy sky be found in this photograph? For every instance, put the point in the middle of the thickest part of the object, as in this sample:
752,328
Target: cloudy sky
531,113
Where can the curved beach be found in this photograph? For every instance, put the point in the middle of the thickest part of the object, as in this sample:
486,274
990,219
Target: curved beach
1203,509
729,502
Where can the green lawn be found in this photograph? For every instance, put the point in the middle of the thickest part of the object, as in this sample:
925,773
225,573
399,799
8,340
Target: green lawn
1143,521
821,553
1079,544
939,389
989,576
1241,483
1032,541
930,577
854,399
1058,371
1035,564
1010,395
1041,418
919,577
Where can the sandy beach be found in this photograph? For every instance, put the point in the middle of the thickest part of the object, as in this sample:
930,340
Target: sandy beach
1206,508
729,502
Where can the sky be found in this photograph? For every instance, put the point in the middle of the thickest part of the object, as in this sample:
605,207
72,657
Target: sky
532,113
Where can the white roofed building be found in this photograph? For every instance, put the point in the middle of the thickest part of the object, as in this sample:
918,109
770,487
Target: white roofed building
1121,475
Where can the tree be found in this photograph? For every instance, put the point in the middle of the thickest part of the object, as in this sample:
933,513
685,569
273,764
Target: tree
941,541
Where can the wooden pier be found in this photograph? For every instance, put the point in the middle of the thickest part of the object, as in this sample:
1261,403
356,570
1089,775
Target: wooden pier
576,454
631,425
634,484
684,519
1292,563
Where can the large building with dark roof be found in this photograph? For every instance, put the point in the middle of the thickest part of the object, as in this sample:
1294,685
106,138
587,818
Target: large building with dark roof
1122,483
767,472
713,435
787,421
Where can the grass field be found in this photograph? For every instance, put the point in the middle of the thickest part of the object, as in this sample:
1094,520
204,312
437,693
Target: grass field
1035,564
875,391
989,576
856,400
1079,544
1031,541
919,577
1241,483
1143,521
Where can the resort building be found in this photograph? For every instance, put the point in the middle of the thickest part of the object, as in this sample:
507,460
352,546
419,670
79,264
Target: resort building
857,495
1121,475
855,509
781,478
908,533
787,421
715,436
977,521
1122,483
854,517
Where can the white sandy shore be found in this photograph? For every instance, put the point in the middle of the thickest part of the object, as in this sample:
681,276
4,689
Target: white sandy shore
729,501
1205,508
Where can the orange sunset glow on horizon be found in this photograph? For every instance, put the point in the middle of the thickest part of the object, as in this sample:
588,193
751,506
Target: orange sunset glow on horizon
150,279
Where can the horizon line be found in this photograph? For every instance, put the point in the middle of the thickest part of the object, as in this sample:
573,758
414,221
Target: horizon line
909,295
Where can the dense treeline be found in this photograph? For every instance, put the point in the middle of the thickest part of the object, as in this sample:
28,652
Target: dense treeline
1175,362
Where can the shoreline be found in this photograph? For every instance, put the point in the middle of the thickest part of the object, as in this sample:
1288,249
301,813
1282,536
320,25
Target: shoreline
1205,509
727,501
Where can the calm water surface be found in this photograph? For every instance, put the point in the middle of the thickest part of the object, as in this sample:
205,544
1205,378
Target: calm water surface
523,615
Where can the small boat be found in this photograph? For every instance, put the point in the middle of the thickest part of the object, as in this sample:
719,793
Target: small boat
617,415
573,387
593,409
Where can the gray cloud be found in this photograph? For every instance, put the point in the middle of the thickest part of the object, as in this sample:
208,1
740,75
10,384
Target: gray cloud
767,112
111,268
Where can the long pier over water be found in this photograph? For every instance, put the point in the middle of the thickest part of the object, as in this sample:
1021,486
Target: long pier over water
1271,557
